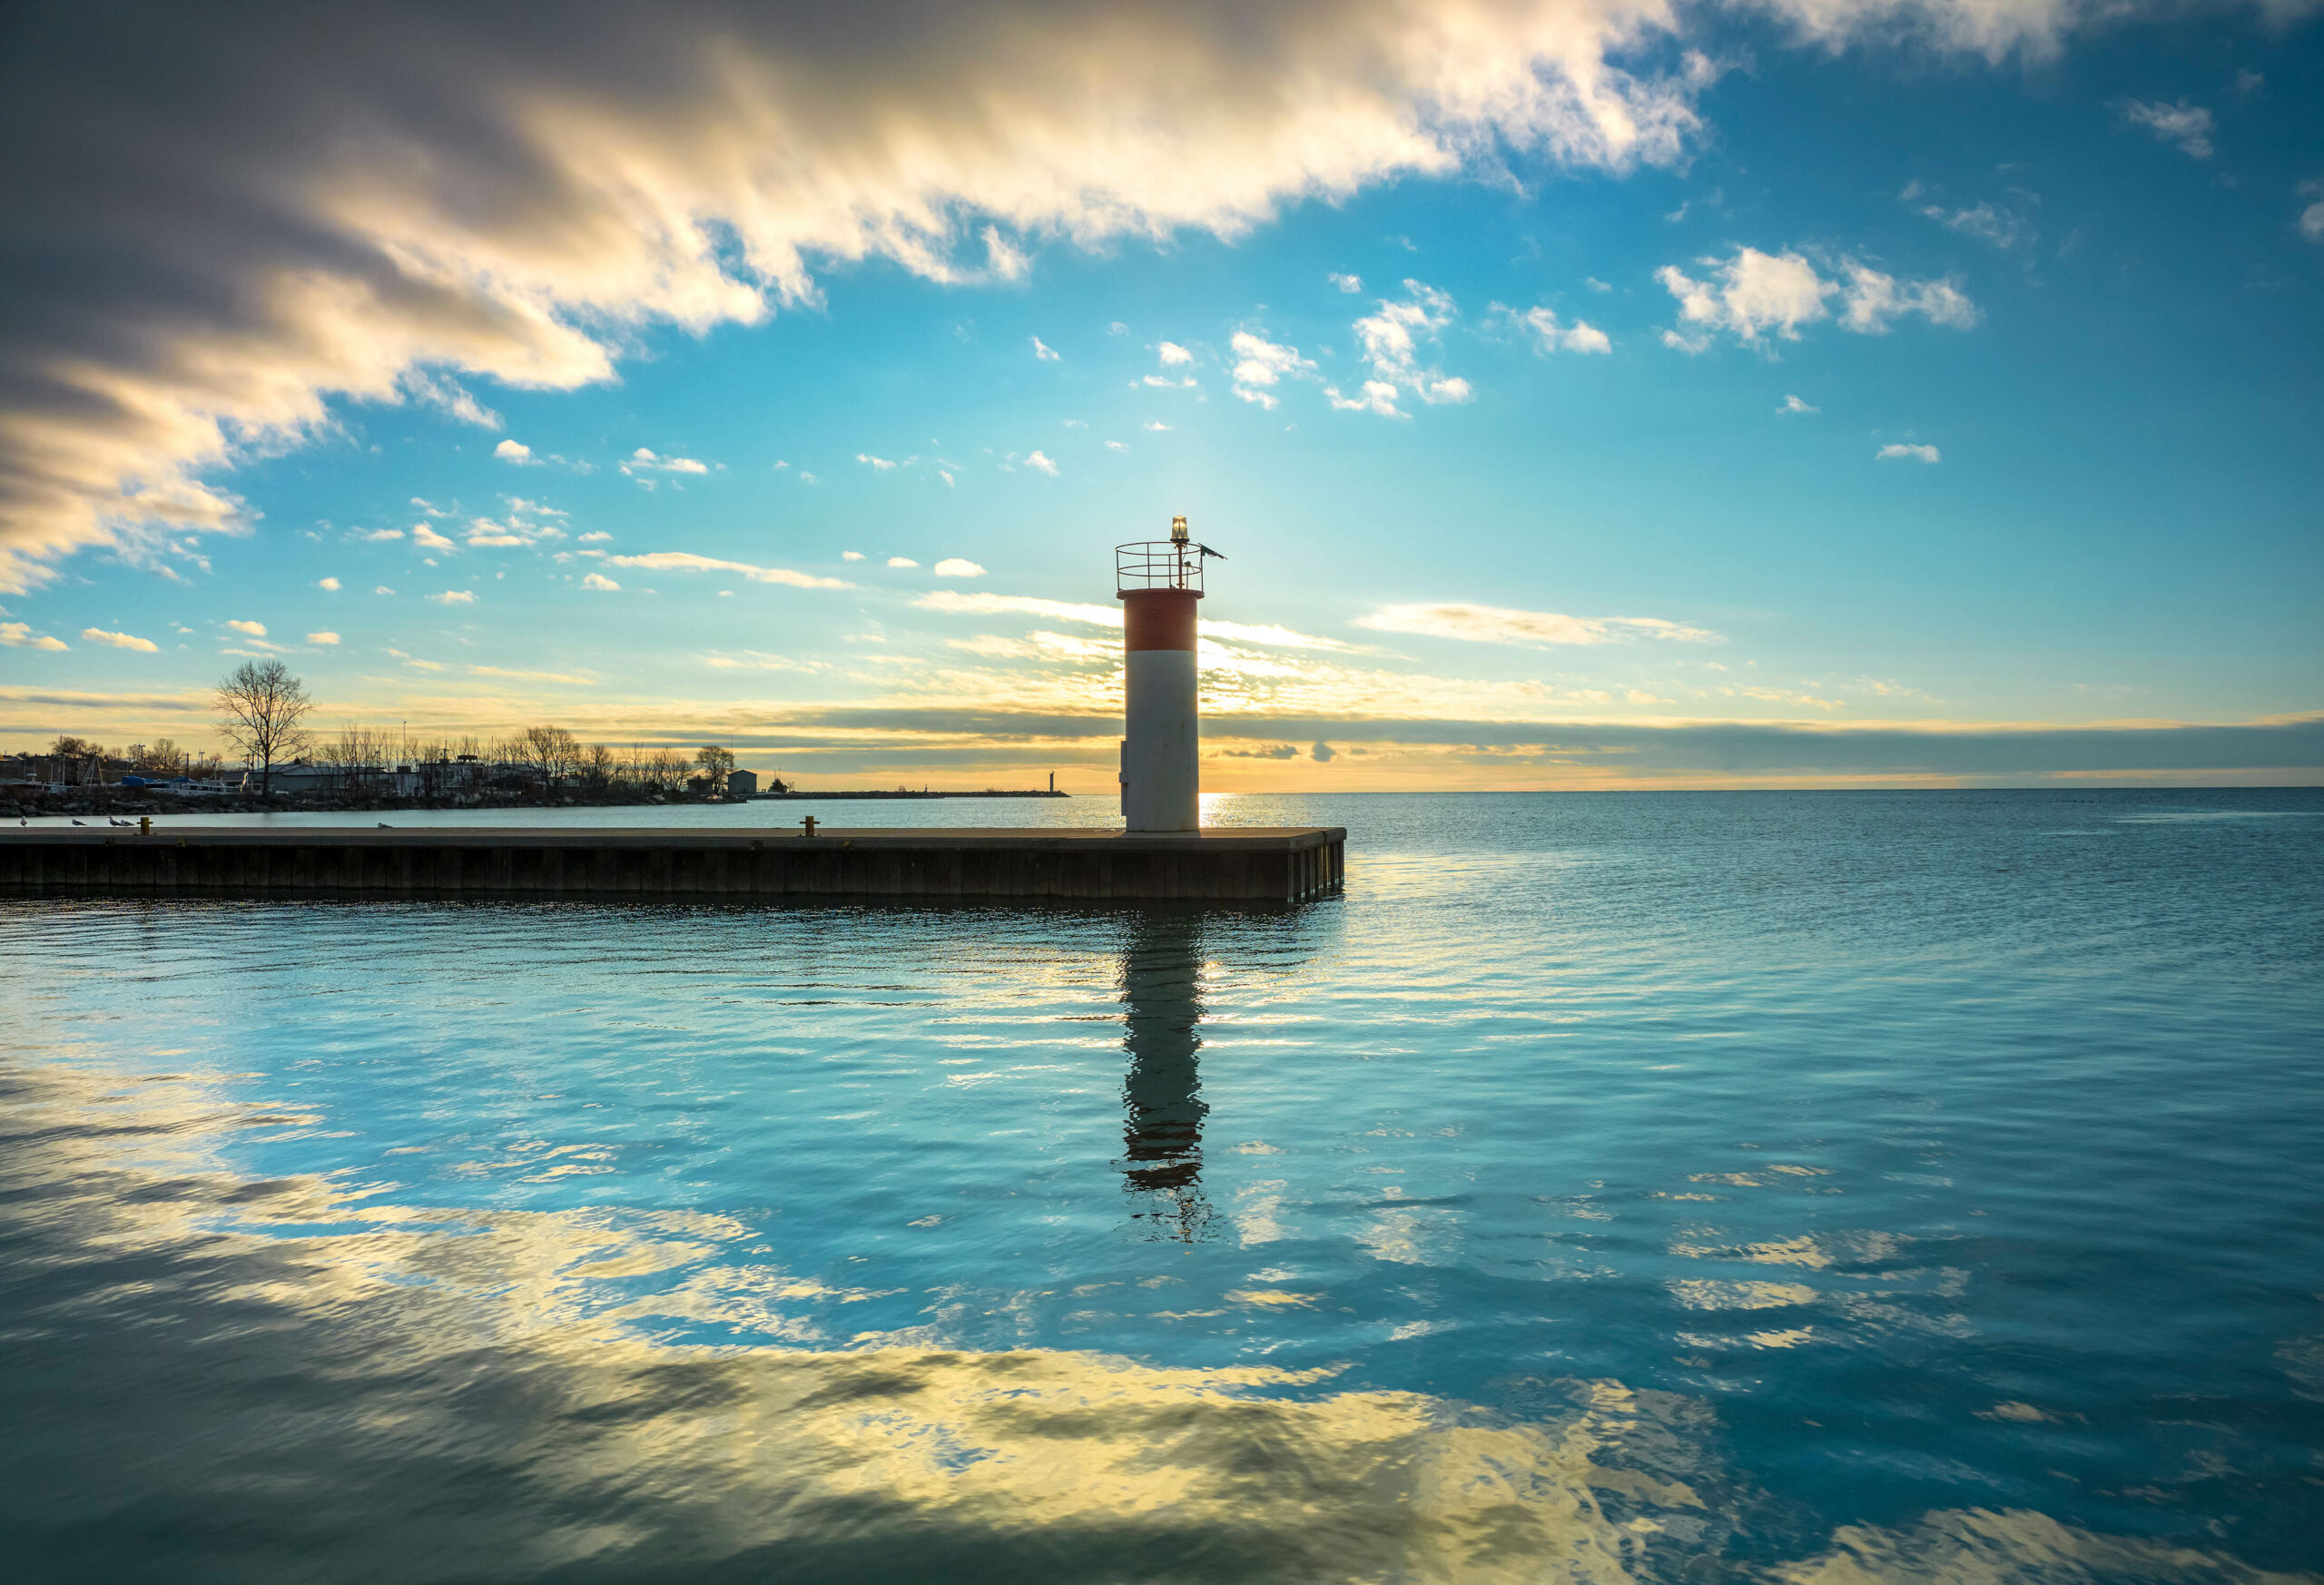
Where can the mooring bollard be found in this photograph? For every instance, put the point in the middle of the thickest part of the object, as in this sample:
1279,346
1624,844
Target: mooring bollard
145,825
807,825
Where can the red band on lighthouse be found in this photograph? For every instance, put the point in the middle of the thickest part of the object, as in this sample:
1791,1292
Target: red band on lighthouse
1158,619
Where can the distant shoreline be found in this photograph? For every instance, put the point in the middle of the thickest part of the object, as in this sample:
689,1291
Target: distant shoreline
794,795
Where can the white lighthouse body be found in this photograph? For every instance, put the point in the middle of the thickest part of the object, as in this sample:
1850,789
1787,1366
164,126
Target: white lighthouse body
1159,584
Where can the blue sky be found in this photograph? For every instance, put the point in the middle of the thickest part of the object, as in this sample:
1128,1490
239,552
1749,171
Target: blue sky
1915,406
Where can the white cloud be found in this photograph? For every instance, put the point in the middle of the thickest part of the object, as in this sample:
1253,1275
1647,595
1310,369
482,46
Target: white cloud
332,583
427,538
901,561
1792,404
1037,460
850,556
982,604
1548,335
1260,364
118,640
953,566
1115,446
381,589
1350,284
1046,353
512,451
1171,352
598,581
20,635
1156,427
323,638
2311,218
1532,629
946,475
877,463
1754,296
647,461
2186,126
1376,397
383,535
1392,342
1900,452
594,535
685,561
255,629
390,216
455,598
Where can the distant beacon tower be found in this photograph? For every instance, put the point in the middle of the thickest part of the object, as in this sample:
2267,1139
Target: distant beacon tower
1158,581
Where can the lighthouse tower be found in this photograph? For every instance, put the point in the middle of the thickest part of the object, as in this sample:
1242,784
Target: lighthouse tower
1158,581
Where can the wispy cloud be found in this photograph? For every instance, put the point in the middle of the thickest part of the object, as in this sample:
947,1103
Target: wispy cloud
253,629
682,561
1172,353
324,638
599,581
330,584
455,598
448,397
2187,127
118,640
954,567
1041,462
1792,404
1531,629
1540,326
1900,451
1350,284
1044,352
981,603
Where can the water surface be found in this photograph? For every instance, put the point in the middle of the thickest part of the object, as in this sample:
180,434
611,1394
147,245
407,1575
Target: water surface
1662,1187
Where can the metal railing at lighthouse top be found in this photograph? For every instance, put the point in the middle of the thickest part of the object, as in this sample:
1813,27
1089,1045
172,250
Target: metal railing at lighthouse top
1158,564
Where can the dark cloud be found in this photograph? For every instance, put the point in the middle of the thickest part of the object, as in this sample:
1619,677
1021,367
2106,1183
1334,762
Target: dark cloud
1740,749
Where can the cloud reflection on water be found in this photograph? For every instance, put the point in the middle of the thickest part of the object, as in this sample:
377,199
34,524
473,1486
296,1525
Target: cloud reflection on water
282,1379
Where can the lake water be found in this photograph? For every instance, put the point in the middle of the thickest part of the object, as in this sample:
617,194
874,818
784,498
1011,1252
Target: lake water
1688,1186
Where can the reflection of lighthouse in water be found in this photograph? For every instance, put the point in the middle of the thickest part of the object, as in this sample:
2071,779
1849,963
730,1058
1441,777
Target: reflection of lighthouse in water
1162,1105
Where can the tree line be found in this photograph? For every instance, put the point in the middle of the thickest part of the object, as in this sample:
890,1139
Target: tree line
264,709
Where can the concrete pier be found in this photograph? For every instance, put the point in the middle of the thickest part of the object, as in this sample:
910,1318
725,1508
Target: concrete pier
1233,864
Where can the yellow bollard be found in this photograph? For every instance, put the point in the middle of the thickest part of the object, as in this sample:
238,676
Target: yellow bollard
145,825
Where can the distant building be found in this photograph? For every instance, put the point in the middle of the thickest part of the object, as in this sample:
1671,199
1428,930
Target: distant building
741,784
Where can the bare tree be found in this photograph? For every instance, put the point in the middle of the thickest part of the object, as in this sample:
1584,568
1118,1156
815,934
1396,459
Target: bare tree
550,753
597,767
666,769
714,763
259,707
